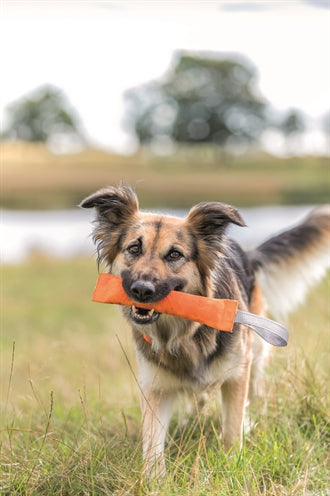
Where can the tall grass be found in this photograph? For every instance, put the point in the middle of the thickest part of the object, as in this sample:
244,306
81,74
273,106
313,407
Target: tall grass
69,401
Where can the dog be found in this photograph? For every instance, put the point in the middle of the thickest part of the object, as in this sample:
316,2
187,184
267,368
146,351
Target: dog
154,254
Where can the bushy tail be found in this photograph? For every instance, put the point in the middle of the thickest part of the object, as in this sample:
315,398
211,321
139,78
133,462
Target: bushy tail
288,264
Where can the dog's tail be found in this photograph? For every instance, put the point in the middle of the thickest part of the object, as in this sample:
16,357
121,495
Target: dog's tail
288,264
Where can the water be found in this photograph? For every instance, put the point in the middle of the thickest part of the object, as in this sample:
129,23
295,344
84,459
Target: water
66,233
62,233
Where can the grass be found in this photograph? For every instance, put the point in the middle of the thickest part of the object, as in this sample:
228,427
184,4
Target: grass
69,401
33,178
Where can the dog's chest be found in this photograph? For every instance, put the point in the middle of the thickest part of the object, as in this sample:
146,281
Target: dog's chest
176,378
187,362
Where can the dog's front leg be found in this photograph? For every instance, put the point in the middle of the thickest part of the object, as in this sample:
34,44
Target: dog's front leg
234,397
156,413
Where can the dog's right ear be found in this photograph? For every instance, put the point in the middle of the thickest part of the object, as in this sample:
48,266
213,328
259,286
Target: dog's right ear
115,204
115,208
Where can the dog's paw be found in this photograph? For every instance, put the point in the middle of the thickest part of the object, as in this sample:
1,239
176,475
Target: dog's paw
154,468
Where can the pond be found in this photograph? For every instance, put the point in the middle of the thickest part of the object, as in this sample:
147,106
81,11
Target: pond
66,233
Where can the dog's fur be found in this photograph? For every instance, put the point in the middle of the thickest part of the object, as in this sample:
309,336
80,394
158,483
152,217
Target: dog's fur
154,254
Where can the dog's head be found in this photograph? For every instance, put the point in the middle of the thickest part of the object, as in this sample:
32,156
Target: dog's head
154,253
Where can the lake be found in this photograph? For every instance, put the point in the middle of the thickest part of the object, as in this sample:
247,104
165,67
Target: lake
66,233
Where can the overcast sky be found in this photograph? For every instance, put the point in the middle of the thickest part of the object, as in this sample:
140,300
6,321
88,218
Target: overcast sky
95,50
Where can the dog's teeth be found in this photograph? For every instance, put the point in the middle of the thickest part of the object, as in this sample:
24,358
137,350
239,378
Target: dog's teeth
144,314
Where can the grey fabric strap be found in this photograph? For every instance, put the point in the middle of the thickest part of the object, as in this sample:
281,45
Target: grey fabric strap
272,332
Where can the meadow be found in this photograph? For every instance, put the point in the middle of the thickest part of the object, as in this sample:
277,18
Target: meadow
70,409
34,178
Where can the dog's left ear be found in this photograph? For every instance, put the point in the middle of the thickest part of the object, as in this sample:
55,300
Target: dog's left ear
209,220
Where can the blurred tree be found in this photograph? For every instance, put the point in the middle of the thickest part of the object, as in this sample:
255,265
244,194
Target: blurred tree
44,115
293,123
325,126
325,122
292,126
202,99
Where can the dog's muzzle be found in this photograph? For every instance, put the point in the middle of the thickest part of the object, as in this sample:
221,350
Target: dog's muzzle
147,290
143,291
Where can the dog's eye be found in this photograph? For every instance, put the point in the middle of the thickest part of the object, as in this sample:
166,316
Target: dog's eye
134,249
174,255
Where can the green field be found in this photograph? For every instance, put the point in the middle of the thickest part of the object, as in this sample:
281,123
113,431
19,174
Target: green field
69,401
34,178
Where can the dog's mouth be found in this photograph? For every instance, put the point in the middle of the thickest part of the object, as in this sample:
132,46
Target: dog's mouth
143,315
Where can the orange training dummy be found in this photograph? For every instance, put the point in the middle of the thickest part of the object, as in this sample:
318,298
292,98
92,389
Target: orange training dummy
219,314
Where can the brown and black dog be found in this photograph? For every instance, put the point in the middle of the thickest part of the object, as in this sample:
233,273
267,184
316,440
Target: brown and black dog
155,254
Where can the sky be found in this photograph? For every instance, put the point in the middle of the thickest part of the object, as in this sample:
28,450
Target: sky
95,50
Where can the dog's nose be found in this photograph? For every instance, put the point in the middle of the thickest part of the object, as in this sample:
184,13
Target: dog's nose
143,290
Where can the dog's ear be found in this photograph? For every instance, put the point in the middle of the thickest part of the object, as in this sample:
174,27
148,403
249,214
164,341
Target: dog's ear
115,209
114,204
209,220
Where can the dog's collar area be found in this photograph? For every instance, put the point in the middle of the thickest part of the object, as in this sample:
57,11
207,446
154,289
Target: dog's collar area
147,338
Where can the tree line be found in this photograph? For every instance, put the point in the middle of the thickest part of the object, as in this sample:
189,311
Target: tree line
201,99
